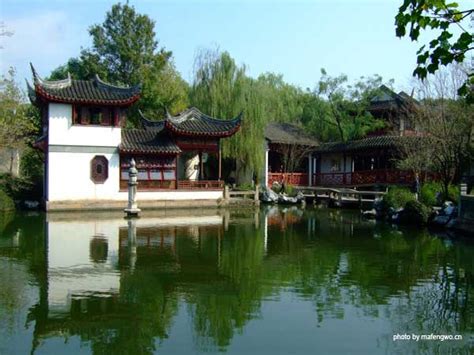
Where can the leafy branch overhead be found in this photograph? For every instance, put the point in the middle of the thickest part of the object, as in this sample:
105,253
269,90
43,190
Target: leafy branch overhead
448,47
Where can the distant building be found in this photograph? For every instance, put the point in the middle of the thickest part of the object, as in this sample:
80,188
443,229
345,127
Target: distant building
397,110
288,155
10,161
372,160
88,151
364,162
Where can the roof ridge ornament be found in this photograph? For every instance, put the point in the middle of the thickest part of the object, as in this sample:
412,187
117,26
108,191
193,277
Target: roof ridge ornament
167,114
147,123
31,91
102,84
56,84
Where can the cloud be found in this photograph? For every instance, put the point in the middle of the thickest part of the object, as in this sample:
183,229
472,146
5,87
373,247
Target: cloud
47,39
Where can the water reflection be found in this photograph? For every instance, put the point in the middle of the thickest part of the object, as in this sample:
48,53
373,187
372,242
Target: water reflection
220,280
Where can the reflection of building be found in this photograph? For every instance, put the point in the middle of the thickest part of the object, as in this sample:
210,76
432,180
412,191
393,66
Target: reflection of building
87,151
83,255
101,271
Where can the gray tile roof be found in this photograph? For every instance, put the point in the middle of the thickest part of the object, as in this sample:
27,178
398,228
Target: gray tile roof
377,142
387,99
193,122
286,133
93,91
147,141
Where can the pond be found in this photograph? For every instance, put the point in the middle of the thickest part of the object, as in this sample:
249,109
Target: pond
270,281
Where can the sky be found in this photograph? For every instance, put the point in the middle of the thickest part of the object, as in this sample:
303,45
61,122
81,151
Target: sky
293,38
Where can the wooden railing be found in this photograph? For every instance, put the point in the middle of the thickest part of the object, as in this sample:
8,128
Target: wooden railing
155,185
366,177
296,179
200,185
150,185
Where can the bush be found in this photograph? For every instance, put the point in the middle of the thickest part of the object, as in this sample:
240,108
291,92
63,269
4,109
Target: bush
415,213
245,187
429,192
397,197
290,190
6,202
453,193
31,165
17,188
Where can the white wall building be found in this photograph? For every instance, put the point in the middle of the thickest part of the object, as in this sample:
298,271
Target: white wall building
87,152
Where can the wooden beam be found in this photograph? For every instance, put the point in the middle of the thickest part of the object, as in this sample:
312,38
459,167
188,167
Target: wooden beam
201,166
219,157
176,170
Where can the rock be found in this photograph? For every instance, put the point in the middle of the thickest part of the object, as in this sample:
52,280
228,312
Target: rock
268,195
450,210
370,214
300,196
286,200
32,205
441,220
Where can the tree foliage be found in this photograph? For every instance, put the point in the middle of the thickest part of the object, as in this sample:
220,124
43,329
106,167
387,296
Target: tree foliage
447,124
17,119
222,89
125,52
418,15
337,110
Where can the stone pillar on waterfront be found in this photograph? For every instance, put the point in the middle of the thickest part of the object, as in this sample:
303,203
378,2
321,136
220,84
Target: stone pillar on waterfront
132,208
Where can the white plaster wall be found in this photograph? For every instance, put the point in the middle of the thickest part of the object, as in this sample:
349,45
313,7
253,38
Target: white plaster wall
175,195
69,177
326,161
62,132
70,270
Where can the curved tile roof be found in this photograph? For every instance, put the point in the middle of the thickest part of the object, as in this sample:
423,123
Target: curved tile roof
376,142
147,141
193,122
93,91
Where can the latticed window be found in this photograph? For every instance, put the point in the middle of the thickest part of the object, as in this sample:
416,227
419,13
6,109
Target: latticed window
99,169
98,116
150,168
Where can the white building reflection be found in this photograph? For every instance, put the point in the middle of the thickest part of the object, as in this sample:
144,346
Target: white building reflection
87,254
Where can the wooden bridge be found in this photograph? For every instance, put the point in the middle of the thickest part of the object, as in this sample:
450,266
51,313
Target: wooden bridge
341,197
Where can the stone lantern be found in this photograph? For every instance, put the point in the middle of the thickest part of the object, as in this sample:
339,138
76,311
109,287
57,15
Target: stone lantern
132,209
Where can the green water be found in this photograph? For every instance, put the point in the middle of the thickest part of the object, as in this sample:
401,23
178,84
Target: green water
274,281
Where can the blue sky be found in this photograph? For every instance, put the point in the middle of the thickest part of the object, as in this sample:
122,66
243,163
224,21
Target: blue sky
294,38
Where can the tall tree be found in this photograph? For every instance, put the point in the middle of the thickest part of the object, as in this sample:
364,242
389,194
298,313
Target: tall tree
448,126
222,89
441,16
125,52
16,122
337,110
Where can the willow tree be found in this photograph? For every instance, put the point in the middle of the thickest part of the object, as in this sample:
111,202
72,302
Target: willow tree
222,89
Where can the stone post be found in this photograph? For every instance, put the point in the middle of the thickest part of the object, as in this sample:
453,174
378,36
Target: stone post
132,209
226,192
462,192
